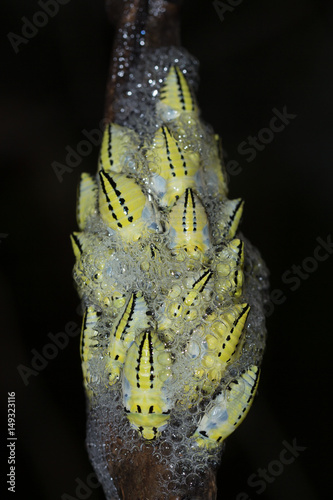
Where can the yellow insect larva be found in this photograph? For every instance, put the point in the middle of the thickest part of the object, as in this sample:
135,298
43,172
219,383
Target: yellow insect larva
125,208
123,332
189,227
89,344
86,199
197,288
91,269
121,200
221,342
176,94
228,224
117,143
227,410
174,168
181,306
76,240
146,371
79,244
229,270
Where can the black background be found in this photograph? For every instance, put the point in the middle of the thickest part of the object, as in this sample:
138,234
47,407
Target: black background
262,55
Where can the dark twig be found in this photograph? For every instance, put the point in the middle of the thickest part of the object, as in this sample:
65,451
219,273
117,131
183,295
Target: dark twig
153,22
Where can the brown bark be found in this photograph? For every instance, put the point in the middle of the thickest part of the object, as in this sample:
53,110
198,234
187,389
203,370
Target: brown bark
138,477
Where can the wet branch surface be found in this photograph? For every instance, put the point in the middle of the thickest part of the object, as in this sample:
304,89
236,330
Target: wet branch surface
154,22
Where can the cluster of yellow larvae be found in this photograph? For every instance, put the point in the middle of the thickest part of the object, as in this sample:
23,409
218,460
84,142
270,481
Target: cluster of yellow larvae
160,271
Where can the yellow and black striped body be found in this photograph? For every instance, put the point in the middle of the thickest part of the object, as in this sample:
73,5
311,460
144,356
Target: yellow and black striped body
132,319
89,343
117,146
183,305
175,169
144,400
219,345
189,226
227,227
121,201
228,409
124,208
176,94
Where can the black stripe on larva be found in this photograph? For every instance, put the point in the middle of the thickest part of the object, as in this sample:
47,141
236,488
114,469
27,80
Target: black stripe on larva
105,193
130,316
246,308
139,360
194,210
113,184
118,194
139,408
185,211
110,145
151,359
78,243
202,278
204,434
117,326
183,159
180,90
239,255
232,218
173,173
151,409
254,386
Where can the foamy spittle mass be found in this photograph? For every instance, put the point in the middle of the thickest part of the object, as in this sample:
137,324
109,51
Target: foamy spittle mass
173,331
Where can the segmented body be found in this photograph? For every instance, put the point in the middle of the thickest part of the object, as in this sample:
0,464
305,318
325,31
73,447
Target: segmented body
166,276
132,320
146,371
228,409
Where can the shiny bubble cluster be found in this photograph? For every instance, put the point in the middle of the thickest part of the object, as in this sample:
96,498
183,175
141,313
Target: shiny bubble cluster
173,330
135,106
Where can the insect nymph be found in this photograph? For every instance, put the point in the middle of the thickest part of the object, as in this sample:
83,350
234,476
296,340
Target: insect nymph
160,269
